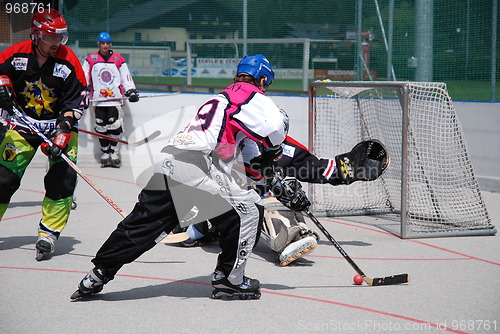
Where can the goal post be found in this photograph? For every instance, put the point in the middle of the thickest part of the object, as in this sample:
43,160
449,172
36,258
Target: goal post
429,186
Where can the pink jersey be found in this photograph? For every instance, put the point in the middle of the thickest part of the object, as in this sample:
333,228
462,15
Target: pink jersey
108,79
240,111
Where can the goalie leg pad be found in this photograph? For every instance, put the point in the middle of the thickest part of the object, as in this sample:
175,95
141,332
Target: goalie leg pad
280,224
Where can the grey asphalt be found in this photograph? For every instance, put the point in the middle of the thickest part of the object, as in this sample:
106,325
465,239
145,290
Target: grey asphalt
455,284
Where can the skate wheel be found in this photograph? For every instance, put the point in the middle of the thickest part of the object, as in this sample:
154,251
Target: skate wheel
257,295
216,295
73,205
243,297
39,256
76,295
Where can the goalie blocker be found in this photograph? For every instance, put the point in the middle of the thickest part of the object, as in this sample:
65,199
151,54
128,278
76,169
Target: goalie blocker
365,162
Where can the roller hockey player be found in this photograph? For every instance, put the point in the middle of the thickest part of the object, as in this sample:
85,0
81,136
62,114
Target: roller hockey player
190,171
43,79
284,230
111,84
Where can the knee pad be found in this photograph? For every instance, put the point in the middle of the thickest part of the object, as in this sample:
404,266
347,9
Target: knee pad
100,127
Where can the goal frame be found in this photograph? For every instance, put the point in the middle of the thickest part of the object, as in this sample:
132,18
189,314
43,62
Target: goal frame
403,92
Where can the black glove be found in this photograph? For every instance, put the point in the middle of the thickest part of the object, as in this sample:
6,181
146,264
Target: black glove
6,94
60,142
366,162
290,193
132,94
266,162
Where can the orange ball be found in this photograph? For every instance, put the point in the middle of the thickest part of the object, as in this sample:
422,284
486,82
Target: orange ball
358,280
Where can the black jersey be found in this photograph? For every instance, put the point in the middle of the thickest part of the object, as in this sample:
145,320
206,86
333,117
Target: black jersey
44,92
297,161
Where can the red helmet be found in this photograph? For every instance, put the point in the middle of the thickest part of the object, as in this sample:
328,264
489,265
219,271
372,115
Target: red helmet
49,21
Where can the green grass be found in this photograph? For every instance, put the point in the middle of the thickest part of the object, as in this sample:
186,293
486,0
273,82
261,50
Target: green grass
458,90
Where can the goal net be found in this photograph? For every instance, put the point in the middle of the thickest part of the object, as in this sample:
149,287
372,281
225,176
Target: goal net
430,184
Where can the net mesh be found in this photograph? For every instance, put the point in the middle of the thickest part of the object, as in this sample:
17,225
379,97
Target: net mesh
440,192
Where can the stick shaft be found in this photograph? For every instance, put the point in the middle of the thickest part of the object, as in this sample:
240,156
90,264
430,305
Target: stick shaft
105,137
21,116
335,243
140,96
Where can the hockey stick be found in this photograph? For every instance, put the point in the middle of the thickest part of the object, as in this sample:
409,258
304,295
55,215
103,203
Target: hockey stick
140,97
174,238
389,280
33,128
137,143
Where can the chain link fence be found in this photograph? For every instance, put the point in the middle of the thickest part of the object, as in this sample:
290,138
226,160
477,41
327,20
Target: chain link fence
427,40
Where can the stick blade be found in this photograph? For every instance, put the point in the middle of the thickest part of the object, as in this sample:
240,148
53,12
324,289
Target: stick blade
389,280
175,238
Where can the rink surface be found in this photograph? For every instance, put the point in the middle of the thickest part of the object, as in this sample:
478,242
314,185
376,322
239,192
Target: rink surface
454,286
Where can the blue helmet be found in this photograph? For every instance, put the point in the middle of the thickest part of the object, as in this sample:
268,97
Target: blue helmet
256,66
104,37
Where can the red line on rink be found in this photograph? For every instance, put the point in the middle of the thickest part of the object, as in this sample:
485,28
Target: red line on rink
362,308
21,216
415,241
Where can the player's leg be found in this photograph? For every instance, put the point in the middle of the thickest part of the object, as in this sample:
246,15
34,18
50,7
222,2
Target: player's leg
16,154
152,218
60,183
101,115
286,232
114,128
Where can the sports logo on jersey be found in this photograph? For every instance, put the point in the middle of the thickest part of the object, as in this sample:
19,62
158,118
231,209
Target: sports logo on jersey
106,76
288,150
10,152
106,93
20,63
72,153
38,96
61,71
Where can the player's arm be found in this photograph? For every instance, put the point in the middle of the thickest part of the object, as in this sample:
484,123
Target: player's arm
297,161
60,136
7,94
128,83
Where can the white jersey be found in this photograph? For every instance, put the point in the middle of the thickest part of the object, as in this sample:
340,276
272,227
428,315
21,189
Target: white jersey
109,79
240,111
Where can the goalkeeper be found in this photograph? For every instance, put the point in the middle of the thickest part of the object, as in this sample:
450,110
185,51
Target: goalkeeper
284,229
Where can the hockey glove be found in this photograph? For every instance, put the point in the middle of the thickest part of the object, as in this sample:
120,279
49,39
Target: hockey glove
132,94
366,162
266,162
60,142
6,94
290,193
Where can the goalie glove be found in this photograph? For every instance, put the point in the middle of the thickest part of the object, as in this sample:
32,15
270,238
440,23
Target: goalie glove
289,192
60,142
132,94
266,162
365,162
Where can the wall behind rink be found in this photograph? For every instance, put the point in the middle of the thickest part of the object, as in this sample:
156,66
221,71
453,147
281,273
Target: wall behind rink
480,121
